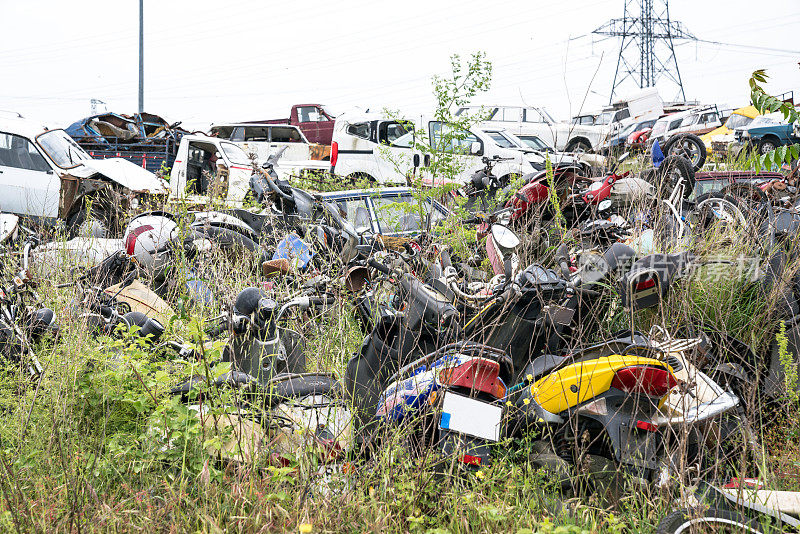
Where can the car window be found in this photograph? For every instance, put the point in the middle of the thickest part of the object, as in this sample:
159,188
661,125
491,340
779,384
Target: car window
674,124
310,114
532,115
737,121
708,117
236,135
622,114
398,214
445,138
223,132
235,153
691,119
355,211
533,142
360,129
19,153
506,115
709,186
62,149
285,135
396,134
256,133
501,140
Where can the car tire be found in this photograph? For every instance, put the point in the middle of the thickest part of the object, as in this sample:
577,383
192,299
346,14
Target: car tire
671,170
96,221
690,147
766,145
578,146
689,520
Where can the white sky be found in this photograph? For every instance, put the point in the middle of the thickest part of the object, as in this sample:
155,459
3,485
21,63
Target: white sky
250,59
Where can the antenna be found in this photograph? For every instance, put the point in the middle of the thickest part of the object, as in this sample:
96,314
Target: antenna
646,24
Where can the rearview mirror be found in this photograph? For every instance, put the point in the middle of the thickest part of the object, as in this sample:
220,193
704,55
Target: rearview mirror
505,238
475,148
416,160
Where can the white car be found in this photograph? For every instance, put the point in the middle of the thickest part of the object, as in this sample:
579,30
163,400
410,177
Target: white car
698,120
45,175
212,167
386,151
263,140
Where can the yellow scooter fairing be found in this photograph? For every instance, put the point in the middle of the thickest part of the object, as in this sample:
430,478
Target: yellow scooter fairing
584,380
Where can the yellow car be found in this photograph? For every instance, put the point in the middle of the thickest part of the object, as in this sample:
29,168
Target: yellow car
717,140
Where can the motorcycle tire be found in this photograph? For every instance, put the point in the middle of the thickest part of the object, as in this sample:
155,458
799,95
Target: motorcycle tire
672,169
688,521
688,146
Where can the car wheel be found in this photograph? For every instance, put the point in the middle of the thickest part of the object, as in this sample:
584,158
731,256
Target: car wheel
673,171
690,147
93,221
579,146
766,145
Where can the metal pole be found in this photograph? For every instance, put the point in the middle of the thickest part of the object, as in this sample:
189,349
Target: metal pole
141,56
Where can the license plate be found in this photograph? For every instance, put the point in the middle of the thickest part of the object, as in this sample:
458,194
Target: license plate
471,417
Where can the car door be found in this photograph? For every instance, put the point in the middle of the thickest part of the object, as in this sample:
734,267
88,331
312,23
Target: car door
396,150
315,123
454,148
28,185
534,123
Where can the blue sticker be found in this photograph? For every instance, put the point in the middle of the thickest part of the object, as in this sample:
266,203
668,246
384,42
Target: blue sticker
445,422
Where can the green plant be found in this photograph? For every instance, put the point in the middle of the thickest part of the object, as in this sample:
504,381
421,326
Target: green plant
766,103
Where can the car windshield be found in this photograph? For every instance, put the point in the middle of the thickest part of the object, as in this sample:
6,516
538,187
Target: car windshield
761,121
235,154
737,121
659,128
502,141
62,149
604,118
534,142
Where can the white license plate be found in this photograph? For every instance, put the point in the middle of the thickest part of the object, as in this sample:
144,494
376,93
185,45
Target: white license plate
470,416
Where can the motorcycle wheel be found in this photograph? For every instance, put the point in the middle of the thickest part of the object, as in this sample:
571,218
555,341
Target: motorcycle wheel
672,170
688,521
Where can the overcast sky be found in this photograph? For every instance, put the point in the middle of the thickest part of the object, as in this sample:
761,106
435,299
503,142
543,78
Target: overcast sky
236,60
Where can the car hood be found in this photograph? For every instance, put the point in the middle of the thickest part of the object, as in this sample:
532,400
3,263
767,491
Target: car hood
123,172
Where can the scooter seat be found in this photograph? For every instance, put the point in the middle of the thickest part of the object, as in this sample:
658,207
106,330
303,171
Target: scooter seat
542,365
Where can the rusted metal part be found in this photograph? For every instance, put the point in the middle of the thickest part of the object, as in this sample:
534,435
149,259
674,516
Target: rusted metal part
73,190
319,152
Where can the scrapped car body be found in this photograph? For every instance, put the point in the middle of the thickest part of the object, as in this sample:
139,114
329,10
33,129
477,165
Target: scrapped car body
389,211
46,175
765,138
376,148
717,140
698,120
209,167
263,140
584,133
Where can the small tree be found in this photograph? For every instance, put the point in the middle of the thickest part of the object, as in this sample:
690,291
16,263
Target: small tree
766,103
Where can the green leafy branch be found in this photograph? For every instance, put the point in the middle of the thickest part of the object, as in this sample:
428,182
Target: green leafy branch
766,103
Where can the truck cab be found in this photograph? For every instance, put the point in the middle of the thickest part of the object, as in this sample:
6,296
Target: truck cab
209,167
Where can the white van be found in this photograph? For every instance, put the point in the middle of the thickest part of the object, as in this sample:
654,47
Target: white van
263,140
384,150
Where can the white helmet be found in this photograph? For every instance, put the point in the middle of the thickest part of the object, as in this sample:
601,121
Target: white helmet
146,235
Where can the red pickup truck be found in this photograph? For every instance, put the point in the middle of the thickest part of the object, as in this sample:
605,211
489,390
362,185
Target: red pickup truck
312,119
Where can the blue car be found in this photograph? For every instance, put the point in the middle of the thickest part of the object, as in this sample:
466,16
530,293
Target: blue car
768,138
390,211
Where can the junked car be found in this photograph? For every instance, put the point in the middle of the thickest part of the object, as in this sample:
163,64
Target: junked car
768,134
46,176
263,140
380,149
392,211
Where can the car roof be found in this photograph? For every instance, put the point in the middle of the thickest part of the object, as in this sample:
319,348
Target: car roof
373,192
14,123
252,124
